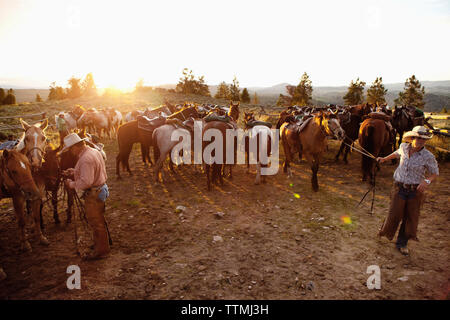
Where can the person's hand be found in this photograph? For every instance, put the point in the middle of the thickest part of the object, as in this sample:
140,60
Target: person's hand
68,173
380,159
422,186
67,183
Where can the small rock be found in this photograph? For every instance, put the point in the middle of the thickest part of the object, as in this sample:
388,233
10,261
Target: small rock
276,207
249,287
219,214
305,230
404,278
310,286
131,217
320,219
217,239
180,209
253,282
325,227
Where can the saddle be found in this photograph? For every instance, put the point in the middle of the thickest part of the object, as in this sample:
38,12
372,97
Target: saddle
147,124
379,116
177,123
252,123
298,126
215,117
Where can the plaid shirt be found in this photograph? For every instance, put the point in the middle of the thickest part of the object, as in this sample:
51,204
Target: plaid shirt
411,170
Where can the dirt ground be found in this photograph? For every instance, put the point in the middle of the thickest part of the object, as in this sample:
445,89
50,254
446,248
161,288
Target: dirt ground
279,240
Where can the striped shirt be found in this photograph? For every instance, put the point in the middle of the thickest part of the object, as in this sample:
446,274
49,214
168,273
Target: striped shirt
411,170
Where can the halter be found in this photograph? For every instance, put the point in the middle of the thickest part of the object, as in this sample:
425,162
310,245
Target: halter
28,154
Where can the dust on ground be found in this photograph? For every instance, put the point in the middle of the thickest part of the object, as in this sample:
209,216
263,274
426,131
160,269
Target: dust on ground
278,240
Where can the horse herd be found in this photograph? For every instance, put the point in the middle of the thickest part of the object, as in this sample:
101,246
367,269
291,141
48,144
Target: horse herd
31,173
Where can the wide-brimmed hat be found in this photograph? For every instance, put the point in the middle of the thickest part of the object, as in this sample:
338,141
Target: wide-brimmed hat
70,140
417,131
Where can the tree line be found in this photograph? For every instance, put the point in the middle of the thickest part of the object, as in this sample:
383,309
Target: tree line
412,95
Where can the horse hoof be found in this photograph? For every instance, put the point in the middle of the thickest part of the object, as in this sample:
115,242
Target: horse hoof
2,275
44,241
26,247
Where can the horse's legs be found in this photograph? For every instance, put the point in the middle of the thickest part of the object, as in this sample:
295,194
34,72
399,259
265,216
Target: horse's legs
55,205
258,173
346,150
18,202
118,160
70,200
314,168
208,178
218,171
342,147
35,209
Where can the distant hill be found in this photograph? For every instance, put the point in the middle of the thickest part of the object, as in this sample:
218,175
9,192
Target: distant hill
437,93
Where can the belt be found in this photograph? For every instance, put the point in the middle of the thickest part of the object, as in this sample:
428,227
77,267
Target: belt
406,186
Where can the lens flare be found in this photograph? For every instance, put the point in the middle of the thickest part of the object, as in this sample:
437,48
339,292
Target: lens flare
291,184
297,195
346,219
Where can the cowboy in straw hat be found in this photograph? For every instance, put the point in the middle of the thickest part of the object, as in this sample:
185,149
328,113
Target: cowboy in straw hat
418,168
89,175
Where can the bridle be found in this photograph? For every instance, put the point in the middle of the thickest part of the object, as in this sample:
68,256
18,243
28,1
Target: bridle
324,131
28,153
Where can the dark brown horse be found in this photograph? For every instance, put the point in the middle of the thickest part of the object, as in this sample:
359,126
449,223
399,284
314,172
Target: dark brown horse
350,123
311,140
16,182
374,137
214,170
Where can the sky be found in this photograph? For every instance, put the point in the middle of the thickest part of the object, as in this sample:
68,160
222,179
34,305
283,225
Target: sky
262,43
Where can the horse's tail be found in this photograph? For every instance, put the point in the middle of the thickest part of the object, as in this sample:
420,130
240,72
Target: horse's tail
368,144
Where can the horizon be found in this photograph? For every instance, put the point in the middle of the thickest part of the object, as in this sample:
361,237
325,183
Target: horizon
259,42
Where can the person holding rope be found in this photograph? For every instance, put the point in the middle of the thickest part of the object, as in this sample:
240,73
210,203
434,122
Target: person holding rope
410,183
90,176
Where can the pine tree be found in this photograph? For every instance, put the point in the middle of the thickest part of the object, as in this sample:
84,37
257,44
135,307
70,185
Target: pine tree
74,91
255,99
234,90
412,94
2,95
56,93
223,91
38,98
376,93
245,97
9,99
303,92
88,86
188,85
355,93
298,95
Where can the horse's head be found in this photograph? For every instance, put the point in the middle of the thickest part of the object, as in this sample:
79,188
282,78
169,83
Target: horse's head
34,142
248,116
331,124
234,110
16,174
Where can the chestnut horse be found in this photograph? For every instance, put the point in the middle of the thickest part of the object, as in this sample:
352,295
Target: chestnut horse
374,137
310,140
32,145
217,168
16,182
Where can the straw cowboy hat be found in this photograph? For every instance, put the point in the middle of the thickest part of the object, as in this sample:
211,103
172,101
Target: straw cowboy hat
417,131
70,140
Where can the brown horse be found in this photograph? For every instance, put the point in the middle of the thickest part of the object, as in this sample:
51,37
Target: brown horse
373,137
310,140
214,170
16,182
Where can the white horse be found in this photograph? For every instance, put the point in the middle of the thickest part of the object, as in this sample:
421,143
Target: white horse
71,122
260,137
